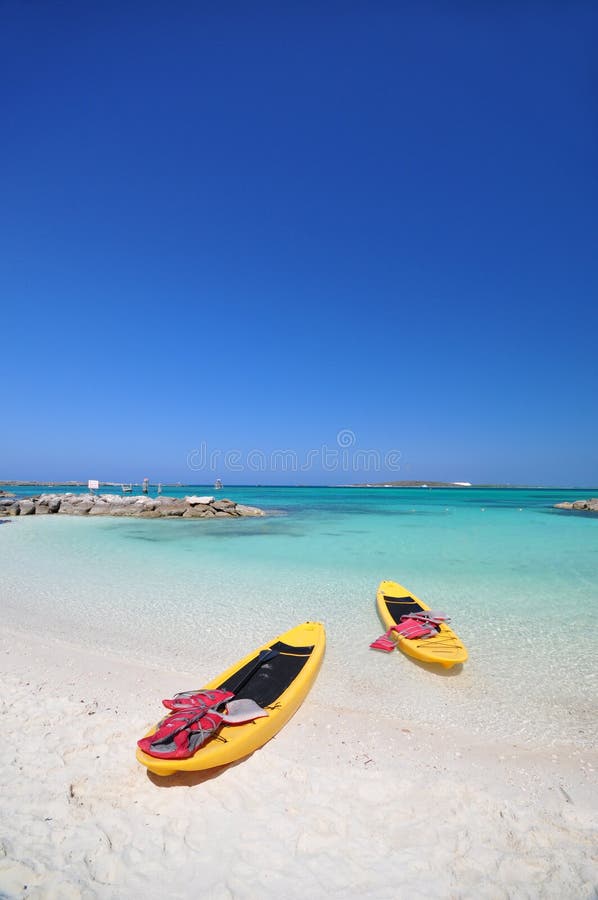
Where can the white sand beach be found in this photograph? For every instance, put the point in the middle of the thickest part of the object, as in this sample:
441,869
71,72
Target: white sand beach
338,804
273,277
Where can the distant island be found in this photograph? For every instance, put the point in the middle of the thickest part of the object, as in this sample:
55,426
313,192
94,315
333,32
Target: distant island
46,483
81,484
424,484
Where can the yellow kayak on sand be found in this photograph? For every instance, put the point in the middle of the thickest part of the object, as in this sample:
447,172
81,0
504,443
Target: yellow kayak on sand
279,685
393,601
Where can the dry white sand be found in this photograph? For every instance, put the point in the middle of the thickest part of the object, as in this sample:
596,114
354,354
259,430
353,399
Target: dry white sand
338,804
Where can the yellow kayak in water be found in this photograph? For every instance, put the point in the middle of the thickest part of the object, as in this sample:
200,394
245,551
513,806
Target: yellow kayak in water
444,648
278,684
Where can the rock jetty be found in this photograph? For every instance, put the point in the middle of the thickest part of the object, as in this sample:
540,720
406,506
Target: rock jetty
590,505
137,507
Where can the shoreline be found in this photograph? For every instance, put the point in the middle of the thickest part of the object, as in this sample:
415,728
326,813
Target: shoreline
337,801
127,583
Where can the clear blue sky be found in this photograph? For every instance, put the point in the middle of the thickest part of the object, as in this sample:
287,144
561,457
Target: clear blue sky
253,225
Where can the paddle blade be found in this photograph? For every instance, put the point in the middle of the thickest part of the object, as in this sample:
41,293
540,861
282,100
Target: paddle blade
240,711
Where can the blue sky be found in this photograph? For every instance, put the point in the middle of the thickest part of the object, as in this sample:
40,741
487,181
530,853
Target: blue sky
252,226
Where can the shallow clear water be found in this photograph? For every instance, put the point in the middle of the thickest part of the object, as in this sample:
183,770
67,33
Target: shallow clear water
519,579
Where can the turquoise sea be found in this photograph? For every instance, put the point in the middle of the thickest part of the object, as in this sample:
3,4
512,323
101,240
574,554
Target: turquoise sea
519,579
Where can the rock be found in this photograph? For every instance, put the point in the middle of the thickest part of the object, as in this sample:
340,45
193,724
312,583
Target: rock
224,505
101,509
145,504
48,503
243,510
115,505
76,505
198,512
590,505
123,510
172,507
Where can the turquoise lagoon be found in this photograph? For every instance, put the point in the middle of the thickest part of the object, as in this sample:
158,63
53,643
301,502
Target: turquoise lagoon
519,579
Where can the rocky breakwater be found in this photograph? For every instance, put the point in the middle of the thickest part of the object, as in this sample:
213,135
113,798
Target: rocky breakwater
137,507
590,505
